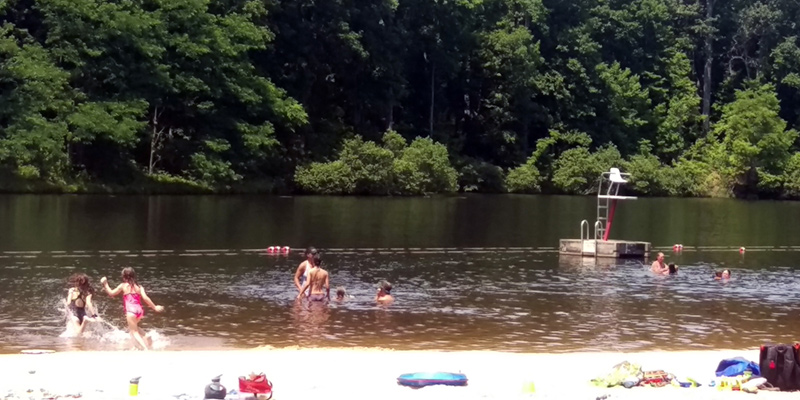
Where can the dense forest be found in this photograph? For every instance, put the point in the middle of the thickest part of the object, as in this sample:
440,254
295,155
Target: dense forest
693,97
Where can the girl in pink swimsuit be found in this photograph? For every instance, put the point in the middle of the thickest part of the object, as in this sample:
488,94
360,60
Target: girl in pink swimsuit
132,296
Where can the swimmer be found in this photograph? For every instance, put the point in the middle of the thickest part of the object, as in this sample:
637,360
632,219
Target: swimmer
318,280
725,274
79,301
132,296
301,275
384,293
341,294
658,265
673,269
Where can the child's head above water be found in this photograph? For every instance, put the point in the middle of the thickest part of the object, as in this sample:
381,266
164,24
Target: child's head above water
385,286
81,281
673,269
129,275
340,293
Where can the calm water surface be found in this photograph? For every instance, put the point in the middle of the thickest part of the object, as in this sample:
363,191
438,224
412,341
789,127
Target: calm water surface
469,273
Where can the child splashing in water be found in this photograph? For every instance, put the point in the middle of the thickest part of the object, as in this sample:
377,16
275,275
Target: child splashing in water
132,296
79,303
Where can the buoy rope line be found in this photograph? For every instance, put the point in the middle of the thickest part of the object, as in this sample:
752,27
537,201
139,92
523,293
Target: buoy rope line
366,250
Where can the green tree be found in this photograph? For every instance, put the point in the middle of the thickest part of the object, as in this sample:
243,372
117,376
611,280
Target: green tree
424,168
189,63
577,170
786,74
628,106
524,178
370,166
363,167
755,142
35,105
791,177
325,178
679,119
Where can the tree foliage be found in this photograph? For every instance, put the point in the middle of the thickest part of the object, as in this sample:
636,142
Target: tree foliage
405,96
364,167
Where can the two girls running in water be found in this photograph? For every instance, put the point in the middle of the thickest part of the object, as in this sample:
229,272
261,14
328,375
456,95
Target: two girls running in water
132,296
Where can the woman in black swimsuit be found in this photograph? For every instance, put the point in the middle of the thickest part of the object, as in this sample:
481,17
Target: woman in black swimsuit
79,301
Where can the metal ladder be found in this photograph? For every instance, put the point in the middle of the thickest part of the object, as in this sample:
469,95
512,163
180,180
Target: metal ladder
602,216
585,235
603,204
585,223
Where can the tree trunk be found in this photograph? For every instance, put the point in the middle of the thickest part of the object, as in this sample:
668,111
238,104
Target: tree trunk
153,142
390,122
433,71
155,137
707,70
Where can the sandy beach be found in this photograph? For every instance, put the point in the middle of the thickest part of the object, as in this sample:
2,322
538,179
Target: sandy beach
354,374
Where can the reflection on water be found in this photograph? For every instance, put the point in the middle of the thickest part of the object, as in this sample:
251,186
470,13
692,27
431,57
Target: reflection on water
508,301
310,319
245,222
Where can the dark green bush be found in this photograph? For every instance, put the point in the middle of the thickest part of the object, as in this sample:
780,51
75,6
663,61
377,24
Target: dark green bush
394,142
480,176
577,170
325,178
370,166
363,167
791,177
524,179
424,168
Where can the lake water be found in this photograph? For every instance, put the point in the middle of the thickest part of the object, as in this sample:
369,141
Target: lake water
470,273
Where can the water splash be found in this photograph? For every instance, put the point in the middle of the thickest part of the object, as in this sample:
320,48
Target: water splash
103,332
159,340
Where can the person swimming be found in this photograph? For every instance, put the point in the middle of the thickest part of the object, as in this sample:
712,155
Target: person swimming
658,266
384,292
132,296
341,294
673,269
724,274
79,300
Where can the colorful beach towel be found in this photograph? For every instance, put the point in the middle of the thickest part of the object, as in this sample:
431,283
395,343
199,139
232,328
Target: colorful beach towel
655,378
618,374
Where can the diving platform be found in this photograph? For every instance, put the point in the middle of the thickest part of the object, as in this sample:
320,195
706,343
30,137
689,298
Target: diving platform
598,244
604,248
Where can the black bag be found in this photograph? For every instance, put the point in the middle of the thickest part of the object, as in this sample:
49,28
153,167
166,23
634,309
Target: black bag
779,364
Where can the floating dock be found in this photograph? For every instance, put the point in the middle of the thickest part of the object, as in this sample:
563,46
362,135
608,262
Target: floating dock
604,248
598,245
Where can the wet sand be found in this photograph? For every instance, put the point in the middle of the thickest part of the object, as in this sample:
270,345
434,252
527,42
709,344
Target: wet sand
355,373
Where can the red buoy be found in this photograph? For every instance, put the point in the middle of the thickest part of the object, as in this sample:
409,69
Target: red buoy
285,250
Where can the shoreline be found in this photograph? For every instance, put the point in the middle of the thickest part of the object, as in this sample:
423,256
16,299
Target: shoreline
359,373
365,349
